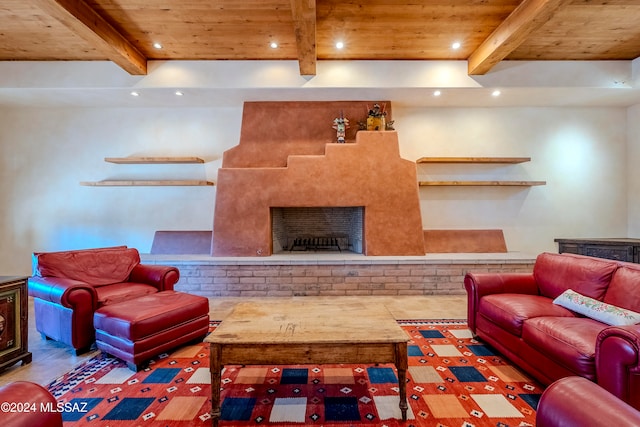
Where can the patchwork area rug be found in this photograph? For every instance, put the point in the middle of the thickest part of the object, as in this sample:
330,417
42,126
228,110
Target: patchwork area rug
453,381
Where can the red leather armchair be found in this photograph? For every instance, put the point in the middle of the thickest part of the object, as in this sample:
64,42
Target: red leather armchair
576,401
68,287
28,405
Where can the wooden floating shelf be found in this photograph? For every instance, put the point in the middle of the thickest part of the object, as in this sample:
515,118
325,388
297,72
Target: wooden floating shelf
152,160
510,160
148,183
481,183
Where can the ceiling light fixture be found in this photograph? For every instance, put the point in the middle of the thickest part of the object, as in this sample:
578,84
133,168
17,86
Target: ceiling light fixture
495,93
339,45
273,45
179,93
134,93
456,45
437,93
157,45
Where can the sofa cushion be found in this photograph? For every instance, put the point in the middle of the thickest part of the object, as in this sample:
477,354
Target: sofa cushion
623,289
597,310
120,292
100,266
569,341
509,311
555,273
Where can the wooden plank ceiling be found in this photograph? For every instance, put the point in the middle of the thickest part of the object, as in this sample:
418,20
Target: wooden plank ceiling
489,31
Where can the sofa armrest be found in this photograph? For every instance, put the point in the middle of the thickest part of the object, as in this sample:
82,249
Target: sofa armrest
34,406
161,276
562,405
618,362
66,292
478,285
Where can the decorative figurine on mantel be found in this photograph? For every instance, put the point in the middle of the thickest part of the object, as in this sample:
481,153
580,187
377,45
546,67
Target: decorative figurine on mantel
341,124
376,119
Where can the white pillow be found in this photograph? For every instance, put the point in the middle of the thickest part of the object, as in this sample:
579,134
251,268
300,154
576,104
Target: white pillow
597,310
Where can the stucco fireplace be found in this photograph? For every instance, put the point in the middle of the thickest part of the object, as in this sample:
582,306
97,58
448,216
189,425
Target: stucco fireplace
287,164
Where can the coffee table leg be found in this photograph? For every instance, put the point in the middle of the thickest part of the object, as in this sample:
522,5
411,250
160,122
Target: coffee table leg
215,367
402,364
402,380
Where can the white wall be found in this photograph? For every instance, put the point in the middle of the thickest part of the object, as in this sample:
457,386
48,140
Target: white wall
579,152
633,176
45,154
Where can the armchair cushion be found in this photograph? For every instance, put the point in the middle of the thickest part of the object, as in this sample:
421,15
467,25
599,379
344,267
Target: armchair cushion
120,292
101,266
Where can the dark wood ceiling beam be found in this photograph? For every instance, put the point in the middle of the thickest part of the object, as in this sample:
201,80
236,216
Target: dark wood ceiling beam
526,18
88,24
304,23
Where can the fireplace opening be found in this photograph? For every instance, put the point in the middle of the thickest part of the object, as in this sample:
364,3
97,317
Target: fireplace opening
304,229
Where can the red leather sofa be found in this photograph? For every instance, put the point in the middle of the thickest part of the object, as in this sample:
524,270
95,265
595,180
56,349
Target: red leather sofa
69,286
41,410
576,401
516,314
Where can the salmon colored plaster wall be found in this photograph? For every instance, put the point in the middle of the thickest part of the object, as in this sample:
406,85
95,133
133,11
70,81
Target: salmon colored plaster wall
368,172
272,131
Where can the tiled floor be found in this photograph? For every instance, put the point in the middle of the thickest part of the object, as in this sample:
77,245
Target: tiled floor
52,359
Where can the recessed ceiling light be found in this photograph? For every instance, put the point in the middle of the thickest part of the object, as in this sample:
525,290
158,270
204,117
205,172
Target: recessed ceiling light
339,45
157,45
495,93
273,45
179,93
134,93
437,93
456,45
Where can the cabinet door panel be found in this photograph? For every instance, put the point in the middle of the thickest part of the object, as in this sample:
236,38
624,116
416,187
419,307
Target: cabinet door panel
618,253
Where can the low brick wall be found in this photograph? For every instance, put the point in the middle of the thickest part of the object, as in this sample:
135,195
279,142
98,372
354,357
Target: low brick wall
368,276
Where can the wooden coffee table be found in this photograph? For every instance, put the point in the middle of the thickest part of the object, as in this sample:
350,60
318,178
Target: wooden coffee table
299,332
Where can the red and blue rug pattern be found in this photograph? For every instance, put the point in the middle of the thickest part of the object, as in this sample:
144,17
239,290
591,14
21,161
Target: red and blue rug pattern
453,381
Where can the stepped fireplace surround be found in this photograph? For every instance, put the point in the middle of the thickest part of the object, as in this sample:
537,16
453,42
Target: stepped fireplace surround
287,158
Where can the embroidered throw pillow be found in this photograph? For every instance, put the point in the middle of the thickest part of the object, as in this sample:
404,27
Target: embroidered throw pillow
597,310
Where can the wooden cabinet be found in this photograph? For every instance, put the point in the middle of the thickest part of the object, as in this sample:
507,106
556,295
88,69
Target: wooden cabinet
14,321
617,249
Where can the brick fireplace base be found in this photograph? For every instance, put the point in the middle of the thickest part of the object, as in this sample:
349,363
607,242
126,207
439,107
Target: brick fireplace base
334,275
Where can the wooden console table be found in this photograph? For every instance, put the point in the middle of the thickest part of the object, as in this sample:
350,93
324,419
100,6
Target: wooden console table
617,249
14,321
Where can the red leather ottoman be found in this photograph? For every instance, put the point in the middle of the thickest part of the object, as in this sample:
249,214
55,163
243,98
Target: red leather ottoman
141,328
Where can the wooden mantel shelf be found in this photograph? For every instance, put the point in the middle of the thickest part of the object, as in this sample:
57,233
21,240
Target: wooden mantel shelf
147,183
481,183
152,160
511,160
